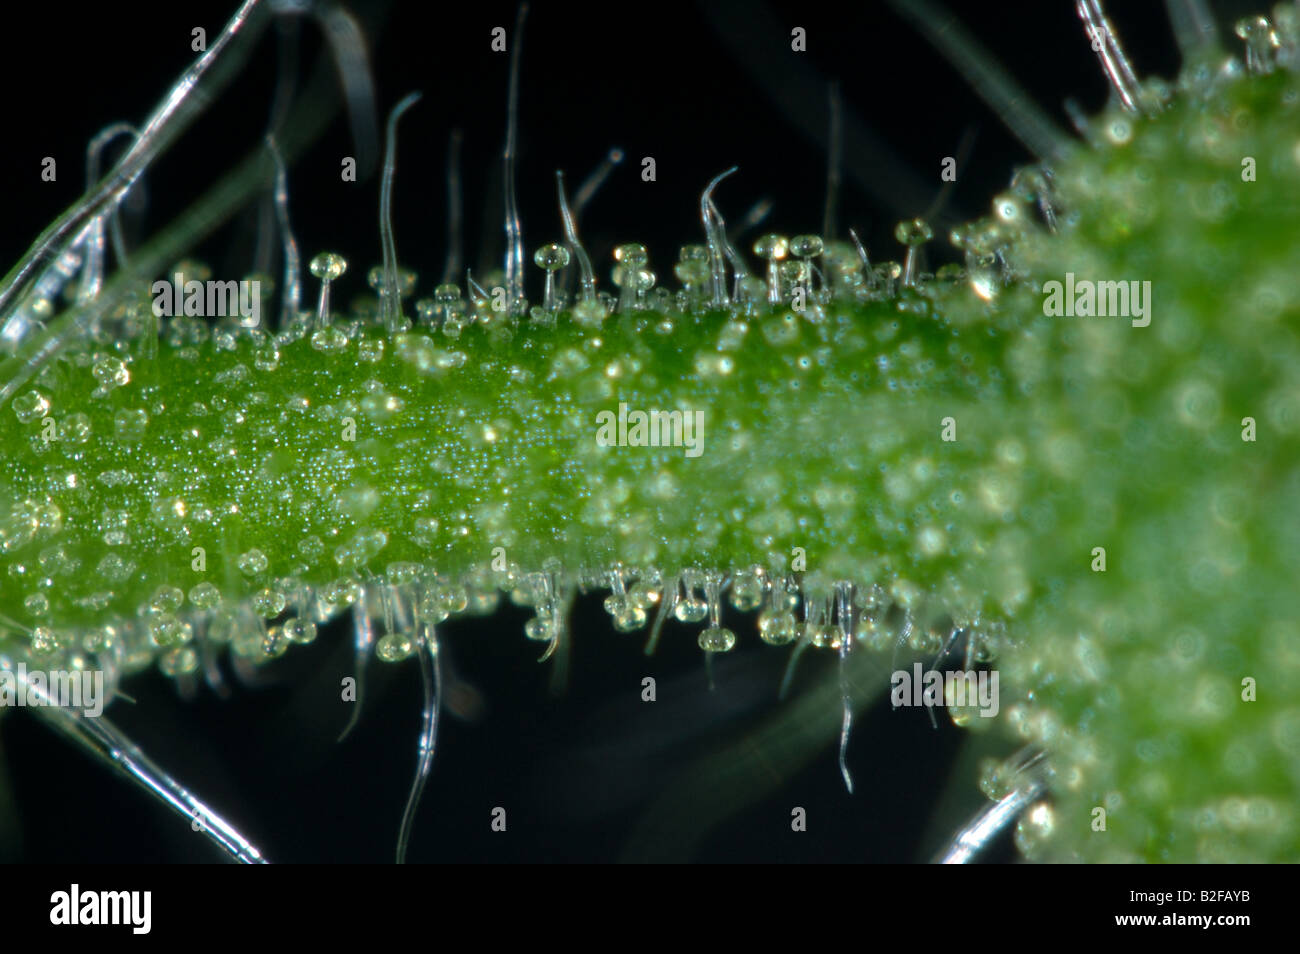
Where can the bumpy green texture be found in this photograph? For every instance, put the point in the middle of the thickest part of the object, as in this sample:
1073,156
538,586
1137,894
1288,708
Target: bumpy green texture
823,430
816,434
1138,672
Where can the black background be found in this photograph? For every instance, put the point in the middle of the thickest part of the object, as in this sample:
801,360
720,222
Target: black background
577,771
